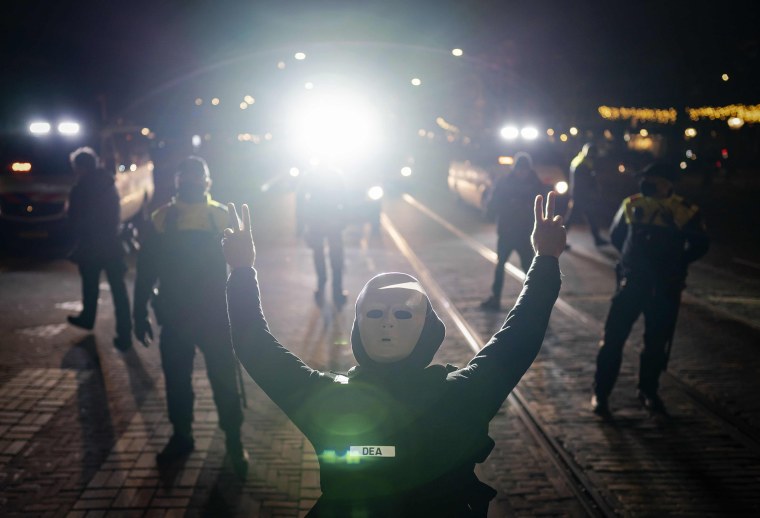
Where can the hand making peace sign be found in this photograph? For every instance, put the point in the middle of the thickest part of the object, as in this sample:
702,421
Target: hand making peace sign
549,234
238,240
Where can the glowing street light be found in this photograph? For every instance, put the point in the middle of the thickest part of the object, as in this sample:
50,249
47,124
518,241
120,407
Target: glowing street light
416,81
457,52
573,131
215,101
300,56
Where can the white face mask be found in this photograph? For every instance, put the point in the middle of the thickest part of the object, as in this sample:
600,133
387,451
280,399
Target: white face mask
390,317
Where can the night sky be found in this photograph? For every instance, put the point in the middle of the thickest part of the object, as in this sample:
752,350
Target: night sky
654,54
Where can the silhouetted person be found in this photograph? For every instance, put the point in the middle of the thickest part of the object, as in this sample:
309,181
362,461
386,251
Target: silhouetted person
95,221
182,253
396,436
658,234
510,202
321,204
585,191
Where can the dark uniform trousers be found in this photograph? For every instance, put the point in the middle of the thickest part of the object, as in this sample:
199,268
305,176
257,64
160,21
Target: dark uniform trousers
504,247
115,270
178,342
316,239
659,304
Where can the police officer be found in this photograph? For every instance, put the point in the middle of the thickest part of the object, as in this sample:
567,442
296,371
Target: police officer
658,234
396,436
183,255
510,203
95,221
321,200
584,191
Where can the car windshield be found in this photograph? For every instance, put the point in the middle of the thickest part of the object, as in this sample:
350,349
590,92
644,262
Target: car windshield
46,156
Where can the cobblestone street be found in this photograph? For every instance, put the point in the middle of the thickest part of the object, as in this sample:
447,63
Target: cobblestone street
80,422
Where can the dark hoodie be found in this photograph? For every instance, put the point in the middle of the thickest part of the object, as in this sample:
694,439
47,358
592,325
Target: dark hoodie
94,217
417,431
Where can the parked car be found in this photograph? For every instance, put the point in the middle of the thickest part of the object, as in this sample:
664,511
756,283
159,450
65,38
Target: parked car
472,183
36,177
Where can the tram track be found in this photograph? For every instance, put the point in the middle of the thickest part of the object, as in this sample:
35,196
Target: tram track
588,496
743,432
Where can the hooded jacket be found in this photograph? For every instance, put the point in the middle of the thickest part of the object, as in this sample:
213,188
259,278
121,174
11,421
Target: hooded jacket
511,202
397,439
94,217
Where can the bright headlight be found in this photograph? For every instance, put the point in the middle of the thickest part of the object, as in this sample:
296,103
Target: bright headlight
334,126
529,133
68,128
39,128
375,192
510,132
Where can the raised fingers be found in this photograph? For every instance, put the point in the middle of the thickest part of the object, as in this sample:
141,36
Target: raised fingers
246,218
550,201
234,221
538,208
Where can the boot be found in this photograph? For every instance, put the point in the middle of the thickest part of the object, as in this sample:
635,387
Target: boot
80,322
239,458
600,405
340,298
652,402
491,303
123,342
179,446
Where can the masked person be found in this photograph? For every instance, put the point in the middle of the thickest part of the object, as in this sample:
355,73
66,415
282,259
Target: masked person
658,234
94,216
510,203
183,256
396,436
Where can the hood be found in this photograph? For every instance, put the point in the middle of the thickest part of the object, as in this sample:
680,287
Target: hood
428,343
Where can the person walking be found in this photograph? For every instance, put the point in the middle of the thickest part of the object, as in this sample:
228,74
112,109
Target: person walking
658,234
510,203
585,191
95,221
182,254
396,436
322,197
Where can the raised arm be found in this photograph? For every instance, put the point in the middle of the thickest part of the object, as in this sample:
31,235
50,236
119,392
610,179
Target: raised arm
281,374
491,375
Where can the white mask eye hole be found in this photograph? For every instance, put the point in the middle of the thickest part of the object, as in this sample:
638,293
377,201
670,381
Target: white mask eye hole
375,313
402,314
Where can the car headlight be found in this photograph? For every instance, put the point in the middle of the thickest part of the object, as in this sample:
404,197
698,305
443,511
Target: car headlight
375,193
68,128
39,128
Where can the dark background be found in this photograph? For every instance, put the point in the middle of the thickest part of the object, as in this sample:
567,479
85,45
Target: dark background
572,55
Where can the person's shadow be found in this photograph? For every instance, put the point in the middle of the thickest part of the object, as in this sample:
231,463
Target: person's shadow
97,433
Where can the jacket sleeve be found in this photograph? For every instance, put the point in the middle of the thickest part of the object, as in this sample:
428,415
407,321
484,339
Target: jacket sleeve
619,229
697,241
146,273
280,374
496,369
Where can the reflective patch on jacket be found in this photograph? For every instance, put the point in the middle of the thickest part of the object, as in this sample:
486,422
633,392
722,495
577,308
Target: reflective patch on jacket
673,212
